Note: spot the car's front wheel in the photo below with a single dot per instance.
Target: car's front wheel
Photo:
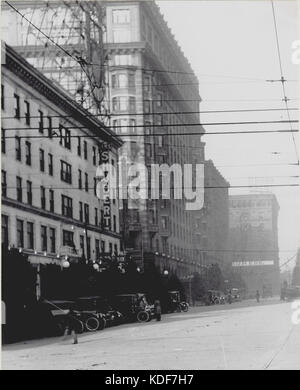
(143, 316)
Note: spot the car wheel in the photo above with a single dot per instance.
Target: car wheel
(92, 324)
(102, 323)
(143, 316)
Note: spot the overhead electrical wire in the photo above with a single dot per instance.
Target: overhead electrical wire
(167, 125)
(159, 113)
(282, 77)
(155, 135)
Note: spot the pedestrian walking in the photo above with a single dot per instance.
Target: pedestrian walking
(71, 328)
(257, 296)
(157, 309)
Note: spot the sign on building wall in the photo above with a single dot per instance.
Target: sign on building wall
(105, 188)
(252, 263)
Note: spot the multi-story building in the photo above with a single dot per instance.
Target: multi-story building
(253, 243)
(51, 148)
(153, 101)
(152, 86)
(212, 222)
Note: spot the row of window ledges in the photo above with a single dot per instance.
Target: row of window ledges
(48, 239)
(64, 134)
(66, 203)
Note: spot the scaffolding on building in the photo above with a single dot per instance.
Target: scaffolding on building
(64, 40)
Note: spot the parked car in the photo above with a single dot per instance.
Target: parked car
(99, 306)
(175, 302)
(292, 292)
(215, 297)
(134, 307)
(235, 295)
(90, 314)
(60, 311)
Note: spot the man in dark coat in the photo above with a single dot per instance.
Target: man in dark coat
(72, 326)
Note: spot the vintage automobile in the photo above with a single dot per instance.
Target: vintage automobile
(292, 292)
(60, 311)
(96, 313)
(134, 307)
(235, 295)
(175, 302)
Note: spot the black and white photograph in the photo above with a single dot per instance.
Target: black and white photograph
(150, 213)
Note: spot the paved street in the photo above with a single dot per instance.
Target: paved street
(244, 335)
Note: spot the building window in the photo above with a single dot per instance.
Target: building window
(27, 112)
(28, 153)
(116, 249)
(18, 148)
(3, 183)
(97, 248)
(20, 233)
(51, 200)
(159, 100)
(50, 134)
(102, 246)
(94, 155)
(19, 189)
(147, 106)
(17, 106)
(85, 153)
(87, 213)
(65, 137)
(4, 230)
(50, 164)
(44, 238)
(68, 238)
(81, 243)
(80, 179)
(29, 192)
(79, 146)
(121, 35)
(3, 141)
(42, 160)
(86, 182)
(43, 198)
(123, 59)
(30, 237)
(2, 98)
(52, 236)
(121, 16)
(115, 223)
(66, 206)
(147, 84)
(132, 104)
(95, 186)
(88, 247)
(164, 222)
(41, 121)
(65, 172)
(96, 216)
(110, 248)
(80, 212)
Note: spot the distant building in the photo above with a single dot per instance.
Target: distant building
(212, 222)
(253, 244)
(49, 205)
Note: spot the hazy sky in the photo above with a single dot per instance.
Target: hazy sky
(231, 46)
